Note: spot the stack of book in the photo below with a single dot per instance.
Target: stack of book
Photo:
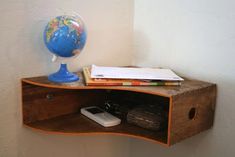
(126, 76)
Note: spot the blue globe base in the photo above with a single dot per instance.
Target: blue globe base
(63, 75)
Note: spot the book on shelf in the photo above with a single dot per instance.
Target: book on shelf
(134, 73)
(123, 82)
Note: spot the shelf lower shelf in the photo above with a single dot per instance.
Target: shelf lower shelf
(78, 124)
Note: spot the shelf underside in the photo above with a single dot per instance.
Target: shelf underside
(77, 123)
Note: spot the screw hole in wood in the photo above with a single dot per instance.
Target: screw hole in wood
(49, 96)
(192, 113)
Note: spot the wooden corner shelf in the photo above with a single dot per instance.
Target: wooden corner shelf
(55, 108)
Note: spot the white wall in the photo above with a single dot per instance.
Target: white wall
(195, 38)
(23, 54)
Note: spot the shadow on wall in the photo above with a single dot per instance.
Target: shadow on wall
(34, 144)
(185, 148)
(215, 142)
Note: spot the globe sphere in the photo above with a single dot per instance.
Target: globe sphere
(65, 36)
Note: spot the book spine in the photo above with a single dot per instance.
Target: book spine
(136, 84)
(93, 82)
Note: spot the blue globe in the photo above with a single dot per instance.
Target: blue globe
(65, 36)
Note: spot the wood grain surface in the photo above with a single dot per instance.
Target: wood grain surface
(55, 108)
(77, 123)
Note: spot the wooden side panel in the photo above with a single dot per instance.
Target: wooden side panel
(192, 112)
(40, 103)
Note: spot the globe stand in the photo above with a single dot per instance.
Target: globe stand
(63, 75)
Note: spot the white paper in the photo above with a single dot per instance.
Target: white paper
(134, 73)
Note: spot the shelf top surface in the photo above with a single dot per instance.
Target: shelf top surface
(166, 91)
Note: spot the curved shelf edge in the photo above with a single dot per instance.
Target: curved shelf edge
(164, 91)
(94, 134)
(80, 86)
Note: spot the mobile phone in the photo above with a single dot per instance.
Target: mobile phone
(100, 116)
